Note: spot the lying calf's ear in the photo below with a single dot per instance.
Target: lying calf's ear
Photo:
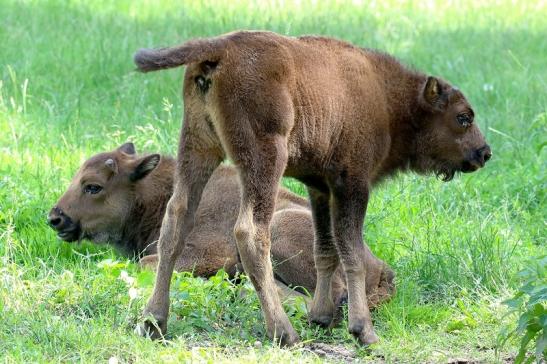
(145, 165)
(112, 165)
(127, 148)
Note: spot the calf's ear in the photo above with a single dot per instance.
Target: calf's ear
(127, 148)
(112, 165)
(144, 166)
(432, 91)
(433, 95)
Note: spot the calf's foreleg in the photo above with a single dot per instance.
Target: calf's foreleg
(349, 201)
(323, 308)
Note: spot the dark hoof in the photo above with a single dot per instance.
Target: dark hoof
(364, 333)
(356, 329)
(288, 339)
(368, 337)
(324, 321)
(152, 329)
(284, 334)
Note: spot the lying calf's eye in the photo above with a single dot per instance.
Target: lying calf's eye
(464, 120)
(92, 189)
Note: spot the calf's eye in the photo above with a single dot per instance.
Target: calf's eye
(92, 189)
(464, 120)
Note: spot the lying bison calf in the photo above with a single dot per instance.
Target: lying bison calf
(337, 117)
(120, 197)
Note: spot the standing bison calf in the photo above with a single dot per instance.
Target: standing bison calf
(119, 197)
(337, 117)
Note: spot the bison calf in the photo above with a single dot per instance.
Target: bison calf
(337, 117)
(119, 197)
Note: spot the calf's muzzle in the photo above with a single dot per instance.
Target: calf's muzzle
(63, 224)
(478, 159)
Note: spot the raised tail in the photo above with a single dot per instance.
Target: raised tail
(197, 50)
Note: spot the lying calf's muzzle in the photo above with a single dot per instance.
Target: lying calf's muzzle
(65, 227)
(56, 218)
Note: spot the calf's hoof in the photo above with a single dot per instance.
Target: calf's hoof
(324, 320)
(368, 337)
(288, 338)
(323, 316)
(152, 329)
(364, 333)
(282, 332)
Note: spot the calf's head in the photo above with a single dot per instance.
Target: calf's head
(101, 196)
(448, 139)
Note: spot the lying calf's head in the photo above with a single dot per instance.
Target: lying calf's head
(448, 140)
(101, 196)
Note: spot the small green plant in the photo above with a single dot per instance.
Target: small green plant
(530, 302)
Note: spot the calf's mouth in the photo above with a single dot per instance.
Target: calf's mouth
(70, 234)
(66, 228)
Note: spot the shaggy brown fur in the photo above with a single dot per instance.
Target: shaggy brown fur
(337, 117)
(211, 244)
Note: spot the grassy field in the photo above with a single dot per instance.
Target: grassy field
(68, 89)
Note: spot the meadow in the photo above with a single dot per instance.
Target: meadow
(68, 89)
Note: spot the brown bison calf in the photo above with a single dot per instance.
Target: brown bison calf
(119, 197)
(337, 117)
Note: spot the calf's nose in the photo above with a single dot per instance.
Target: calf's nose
(484, 154)
(55, 218)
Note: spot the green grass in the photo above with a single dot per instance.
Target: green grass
(68, 90)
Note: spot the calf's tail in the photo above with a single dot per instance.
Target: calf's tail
(198, 50)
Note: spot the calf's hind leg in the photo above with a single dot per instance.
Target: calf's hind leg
(194, 167)
(260, 171)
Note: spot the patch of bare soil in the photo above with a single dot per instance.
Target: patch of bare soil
(338, 353)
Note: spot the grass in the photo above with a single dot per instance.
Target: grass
(68, 90)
